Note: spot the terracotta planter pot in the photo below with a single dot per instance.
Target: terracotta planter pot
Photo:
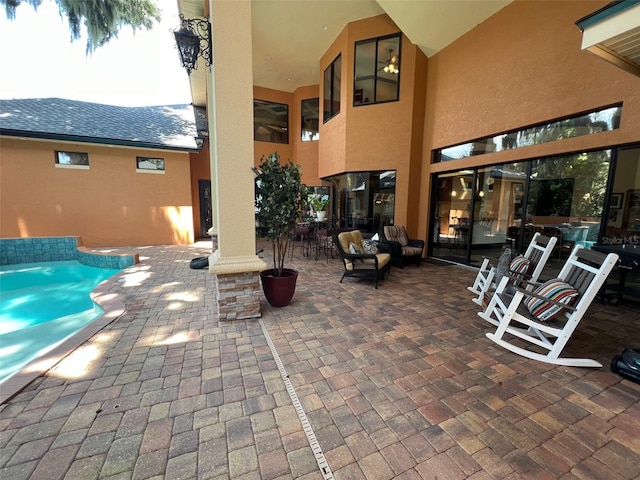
(279, 290)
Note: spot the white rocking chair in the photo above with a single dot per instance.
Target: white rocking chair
(538, 252)
(583, 274)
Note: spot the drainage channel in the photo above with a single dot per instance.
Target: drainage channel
(327, 474)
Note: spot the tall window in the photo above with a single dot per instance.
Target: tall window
(377, 70)
(310, 119)
(331, 93)
(270, 122)
(623, 217)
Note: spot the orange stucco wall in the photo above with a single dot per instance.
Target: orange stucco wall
(265, 148)
(522, 66)
(110, 204)
(385, 136)
(303, 153)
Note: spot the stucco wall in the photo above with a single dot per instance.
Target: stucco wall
(107, 205)
(305, 153)
(384, 136)
(265, 148)
(522, 66)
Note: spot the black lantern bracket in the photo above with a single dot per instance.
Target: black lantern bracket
(193, 40)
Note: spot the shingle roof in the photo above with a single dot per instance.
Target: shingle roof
(170, 127)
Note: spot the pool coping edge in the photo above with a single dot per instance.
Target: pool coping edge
(113, 308)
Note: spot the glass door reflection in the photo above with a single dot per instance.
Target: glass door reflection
(452, 222)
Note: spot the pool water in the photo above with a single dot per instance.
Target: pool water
(42, 304)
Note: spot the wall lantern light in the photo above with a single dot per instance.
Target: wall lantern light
(193, 39)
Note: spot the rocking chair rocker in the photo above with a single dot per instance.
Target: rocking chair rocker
(551, 312)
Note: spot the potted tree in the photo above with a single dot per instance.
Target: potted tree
(319, 205)
(279, 202)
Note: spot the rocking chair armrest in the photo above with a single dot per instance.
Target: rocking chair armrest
(528, 293)
(529, 283)
(519, 278)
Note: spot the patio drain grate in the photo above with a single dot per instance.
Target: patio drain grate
(327, 474)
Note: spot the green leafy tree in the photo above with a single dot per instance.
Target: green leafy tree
(102, 18)
(280, 199)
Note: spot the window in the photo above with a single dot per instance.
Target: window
(377, 70)
(365, 200)
(150, 164)
(72, 159)
(477, 212)
(310, 119)
(331, 93)
(270, 122)
(601, 120)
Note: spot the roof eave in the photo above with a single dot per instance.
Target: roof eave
(95, 140)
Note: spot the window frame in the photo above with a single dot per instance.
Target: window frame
(140, 169)
(285, 128)
(377, 74)
(333, 73)
(509, 140)
(70, 154)
(313, 134)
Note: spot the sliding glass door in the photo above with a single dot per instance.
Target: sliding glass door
(478, 212)
(498, 207)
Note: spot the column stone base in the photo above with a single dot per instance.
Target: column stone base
(238, 290)
(238, 295)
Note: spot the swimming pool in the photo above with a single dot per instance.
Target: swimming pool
(42, 305)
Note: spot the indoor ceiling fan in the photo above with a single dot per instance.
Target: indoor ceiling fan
(391, 64)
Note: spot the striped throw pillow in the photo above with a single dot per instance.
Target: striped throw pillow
(519, 266)
(556, 290)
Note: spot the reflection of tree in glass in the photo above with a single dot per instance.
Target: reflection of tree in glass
(587, 173)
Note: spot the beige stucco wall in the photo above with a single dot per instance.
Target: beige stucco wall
(110, 204)
(520, 67)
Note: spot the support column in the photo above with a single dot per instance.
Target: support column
(230, 113)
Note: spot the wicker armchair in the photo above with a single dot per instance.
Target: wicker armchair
(358, 263)
(403, 250)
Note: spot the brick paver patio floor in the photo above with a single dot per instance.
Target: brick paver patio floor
(398, 382)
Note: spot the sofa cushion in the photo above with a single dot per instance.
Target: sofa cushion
(356, 236)
(409, 251)
(345, 239)
(396, 233)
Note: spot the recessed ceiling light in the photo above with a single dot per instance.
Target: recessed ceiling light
(325, 27)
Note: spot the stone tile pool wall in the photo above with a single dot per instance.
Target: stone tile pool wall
(57, 249)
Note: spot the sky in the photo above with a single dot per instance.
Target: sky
(39, 60)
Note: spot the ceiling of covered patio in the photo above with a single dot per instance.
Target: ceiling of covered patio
(289, 37)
